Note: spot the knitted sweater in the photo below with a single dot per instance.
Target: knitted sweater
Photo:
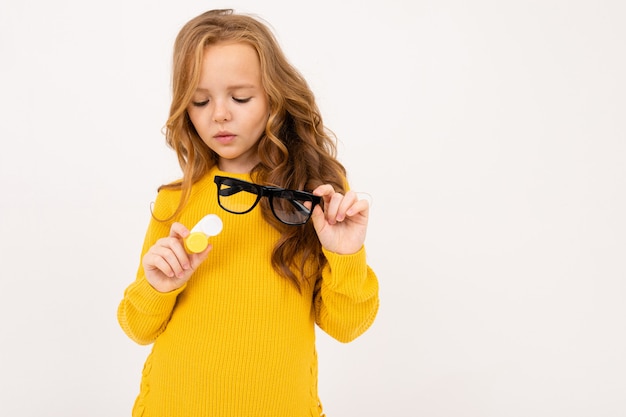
(238, 340)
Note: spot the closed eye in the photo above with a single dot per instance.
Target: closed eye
(199, 103)
(242, 100)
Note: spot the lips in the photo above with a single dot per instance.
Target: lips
(224, 137)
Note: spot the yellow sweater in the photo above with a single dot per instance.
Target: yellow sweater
(238, 340)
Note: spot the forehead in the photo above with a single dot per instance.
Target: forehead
(230, 62)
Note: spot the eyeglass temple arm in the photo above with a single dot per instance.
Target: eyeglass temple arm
(304, 209)
(300, 207)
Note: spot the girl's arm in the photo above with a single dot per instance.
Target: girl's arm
(144, 312)
(346, 298)
(165, 269)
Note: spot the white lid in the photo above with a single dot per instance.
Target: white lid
(210, 225)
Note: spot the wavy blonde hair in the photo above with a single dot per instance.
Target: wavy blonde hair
(296, 151)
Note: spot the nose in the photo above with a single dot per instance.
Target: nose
(221, 112)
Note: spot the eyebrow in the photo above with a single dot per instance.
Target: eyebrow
(232, 87)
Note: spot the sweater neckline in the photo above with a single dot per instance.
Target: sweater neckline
(216, 171)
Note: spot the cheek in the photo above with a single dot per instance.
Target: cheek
(193, 117)
(263, 120)
(264, 115)
(260, 120)
(199, 119)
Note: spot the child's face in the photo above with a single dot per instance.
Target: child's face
(230, 108)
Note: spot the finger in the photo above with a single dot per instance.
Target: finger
(179, 230)
(317, 217)
(172, 251)
(155, 262)
(359, 212)
(169, 264)
(337, 206)
(325, 191)
(331, 208)
(345, 204)
(360, 206)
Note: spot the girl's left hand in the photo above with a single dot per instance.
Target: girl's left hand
(342, 225)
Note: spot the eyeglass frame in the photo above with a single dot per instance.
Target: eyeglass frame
(270, 192)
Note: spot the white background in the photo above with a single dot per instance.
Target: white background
(491, 135)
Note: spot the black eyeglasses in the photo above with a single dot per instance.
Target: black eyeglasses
(291, 207)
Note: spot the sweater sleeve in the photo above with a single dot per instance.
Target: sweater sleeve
(144, 312)
(346, 298)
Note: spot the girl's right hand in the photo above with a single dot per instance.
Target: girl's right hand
(167, 264)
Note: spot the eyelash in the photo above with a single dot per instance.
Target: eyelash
(236, 100)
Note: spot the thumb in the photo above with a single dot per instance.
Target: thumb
(196, 259)
(318, 219)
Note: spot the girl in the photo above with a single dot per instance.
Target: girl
(233, 326)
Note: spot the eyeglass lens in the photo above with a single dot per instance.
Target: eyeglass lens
(289, 208)
(235, 199)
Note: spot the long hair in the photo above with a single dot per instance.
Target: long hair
(296, 151)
